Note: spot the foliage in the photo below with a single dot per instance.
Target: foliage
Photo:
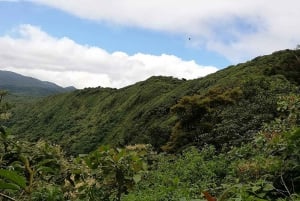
(84, 119)
(266, 168)
(234, 136)
(221, 116)
(196, 115)
(116, 169)
(40, 171)
(287, 64)
(100, 116)
(182, 177)
(22, 86)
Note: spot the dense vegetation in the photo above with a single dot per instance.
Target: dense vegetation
(22, 86)
(266, 168)
(153, 111)
(233, 135)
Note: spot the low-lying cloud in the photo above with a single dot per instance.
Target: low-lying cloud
(32, 52)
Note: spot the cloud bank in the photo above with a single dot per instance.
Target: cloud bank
(32, 52)
(237, 30)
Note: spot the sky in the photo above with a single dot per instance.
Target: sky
(116, 43)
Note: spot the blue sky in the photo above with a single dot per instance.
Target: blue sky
(113, 44)
(108, 36)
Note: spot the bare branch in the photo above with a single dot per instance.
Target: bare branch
(7, 197)
(285, 186)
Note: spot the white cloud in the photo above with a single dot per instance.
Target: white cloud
(236, 29)
(34, 53)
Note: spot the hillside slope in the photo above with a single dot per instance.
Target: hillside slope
(141, 113)
(27, 86)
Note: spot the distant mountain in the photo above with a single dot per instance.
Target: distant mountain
(27, 86)
(223, 109)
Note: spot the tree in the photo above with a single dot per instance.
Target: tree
(117, 169)
(196, 117)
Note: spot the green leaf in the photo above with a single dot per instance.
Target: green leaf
(268, 187)
(255, 188)
(262, 194)
(14, 177)
(145, 166)
(46, 161)
(137, 178)
(45, 169)
(4, 185)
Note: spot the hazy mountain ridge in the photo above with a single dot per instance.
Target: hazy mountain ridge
(141, 113)
(22, 85)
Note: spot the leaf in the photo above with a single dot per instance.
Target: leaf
(14, 177)
(262, 194)
(268, 187)
(4, 185)
(46, 161)
(145, 166)
(45, 169)
(255, 188)
(137, 178)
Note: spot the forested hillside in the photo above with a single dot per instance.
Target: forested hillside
(231, 136)
(223, 108)
(19, 85)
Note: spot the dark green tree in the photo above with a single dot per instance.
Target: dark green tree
(197, 116)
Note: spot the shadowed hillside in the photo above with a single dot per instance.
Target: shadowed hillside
(19, 85)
